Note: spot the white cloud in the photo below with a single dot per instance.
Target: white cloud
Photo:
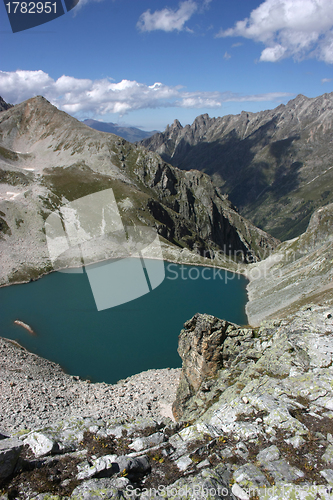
(226, 56)
(326, 80)
(289, 28)
(80, 97)
(167, 19)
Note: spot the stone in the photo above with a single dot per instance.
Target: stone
(147, 442)
(101, 467)
(101, 489)
(239, 492)
(10, 449)
(134, 468)
(201, 348)
(249, 476)
(328, 455)
(328, 475)
(268, 454)
(204, 463)
(241, 450)
(211, 484)
(40, 444)
(281, 471)
(295, 441)
(3, 435)
(184, 462)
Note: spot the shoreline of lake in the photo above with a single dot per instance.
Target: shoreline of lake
(165, 259)
(61, 309)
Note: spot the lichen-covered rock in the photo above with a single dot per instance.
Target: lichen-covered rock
(100, 467)
(40, 444)
(147, 442)
(101, 489)
(210, 484)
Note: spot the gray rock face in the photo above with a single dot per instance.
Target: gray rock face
(268, 162)
(201, 348)
(10, 449)
(298, 272)
(258, 424)
(4, 105)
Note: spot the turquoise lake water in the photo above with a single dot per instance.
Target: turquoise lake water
(112, 344)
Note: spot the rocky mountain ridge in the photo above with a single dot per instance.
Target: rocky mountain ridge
(48, 158)
(275, 165)
(131, 134)
(298, 272)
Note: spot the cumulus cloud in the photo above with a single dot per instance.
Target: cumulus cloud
(326, 80)
(80, 97)
(289, 28)
(167, 19)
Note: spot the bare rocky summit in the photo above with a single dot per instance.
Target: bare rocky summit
(275, 165)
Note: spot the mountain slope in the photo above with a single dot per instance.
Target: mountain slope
(48, 158)
(297, 273)
(131, 134)
(276, 165)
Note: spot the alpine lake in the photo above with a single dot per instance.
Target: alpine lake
(114, 343)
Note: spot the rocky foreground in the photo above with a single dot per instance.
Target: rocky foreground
(254, 411)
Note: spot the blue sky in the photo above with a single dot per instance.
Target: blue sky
(147, 62)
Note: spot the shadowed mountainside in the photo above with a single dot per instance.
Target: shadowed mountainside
(275, 165)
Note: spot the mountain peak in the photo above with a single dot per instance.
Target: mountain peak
(4, 105)
(278, 159)
(177, 124)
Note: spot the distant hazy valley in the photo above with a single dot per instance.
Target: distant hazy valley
(131, 134)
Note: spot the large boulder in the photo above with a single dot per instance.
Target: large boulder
(9, 452)
(200, 346)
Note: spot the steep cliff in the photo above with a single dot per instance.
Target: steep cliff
(275, 165)
(298, 272)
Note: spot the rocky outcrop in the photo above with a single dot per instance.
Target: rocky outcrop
(48, 159)
(4, 105)
(200, 347)
(258, 424)
(10, 449)
(275, 165)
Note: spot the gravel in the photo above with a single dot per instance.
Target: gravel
(36, 392)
